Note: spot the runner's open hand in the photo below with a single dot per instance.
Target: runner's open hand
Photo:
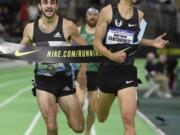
(159, 42)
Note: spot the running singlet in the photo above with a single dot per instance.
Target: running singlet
(122, 32)
(89, 37)
(54, 39)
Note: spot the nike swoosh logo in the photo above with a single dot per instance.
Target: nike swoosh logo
(131, 25)
(19, 54)
(127, 82)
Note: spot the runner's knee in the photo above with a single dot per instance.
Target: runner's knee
(102, 117)
(77, 127)
(128, 119)
(76, 122)
(51, 124)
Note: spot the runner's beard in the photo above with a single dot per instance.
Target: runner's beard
(91, 23)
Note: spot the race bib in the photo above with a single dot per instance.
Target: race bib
(118, 36)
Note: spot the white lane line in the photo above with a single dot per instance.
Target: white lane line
(8, 83)
(10, 99)
(153, 126)
(84, 108)
(93, 131)
(33, 123)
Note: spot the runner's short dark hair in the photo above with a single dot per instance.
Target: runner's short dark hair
(39, 1)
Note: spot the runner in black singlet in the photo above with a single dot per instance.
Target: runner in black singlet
(54, 82)
(119, 25)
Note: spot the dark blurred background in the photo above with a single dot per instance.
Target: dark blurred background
(161, 15)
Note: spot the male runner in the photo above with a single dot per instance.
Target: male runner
(87, 32)
(119, 25)
(54, 81)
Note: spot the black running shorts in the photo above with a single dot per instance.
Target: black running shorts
(58, 85)
(110, 80)
(91, 80)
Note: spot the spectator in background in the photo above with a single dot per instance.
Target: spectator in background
(161, 76)
(32, 11)
(23, 15)
(171, 65)
(150, 66)
(150, 73)
(161, 64)
(157, 72)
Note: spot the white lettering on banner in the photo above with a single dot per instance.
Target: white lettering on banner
(5, 49)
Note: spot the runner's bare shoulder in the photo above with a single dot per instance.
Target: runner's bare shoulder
(27, 34)
(141, 14)
(68, 28)
(28, 30)
(106, 12)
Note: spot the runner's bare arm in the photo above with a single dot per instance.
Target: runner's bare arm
(73, 33)
(158, 42)
(101, 29)
(81, 77)
(27, 34)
